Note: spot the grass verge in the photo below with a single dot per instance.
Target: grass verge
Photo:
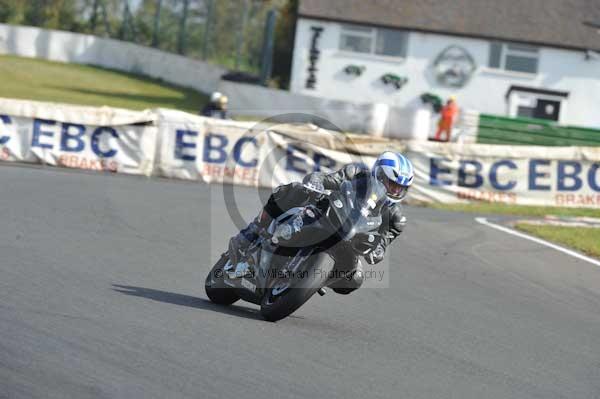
(517, 210)
(586, 240)
(40, 80)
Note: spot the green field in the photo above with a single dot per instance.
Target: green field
(586, 240)
(39, 80)
(516, 210)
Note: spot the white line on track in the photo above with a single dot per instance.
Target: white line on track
(485, 222)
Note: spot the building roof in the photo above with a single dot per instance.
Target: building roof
(556, 23)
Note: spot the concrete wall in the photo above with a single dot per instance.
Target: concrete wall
(262, 102)
(115, 54)
(560, 70)
(357, 117)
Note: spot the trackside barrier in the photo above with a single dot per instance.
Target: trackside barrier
(103, 139)
(178, 145)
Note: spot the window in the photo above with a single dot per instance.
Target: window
(357, 39)
(391, 42)
(514, 57)
(379, 41)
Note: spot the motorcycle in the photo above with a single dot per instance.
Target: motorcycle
(293, 258)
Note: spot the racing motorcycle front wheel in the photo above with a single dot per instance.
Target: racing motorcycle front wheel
(286, 294)
(216, 289)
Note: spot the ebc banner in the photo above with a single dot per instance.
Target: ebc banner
(122, 149)
(210, 150)
(507, 174)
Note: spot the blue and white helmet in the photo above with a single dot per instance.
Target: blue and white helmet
(396, 173)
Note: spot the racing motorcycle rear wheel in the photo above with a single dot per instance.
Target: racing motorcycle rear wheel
(216, 289)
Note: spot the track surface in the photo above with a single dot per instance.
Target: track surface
(101, 296)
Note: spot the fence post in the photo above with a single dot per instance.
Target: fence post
(267, 49)
(127, 24)
(105, 19)
(240, 36)
(207, 27)
(123, 22)
(94, 17)
(156, 23)
(181, 40)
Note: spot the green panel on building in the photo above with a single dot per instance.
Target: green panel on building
(523, 131)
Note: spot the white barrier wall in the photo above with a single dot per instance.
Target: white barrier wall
(380, 120)
(77, 48)
(183, 146)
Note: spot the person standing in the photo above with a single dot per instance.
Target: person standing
(448, 116)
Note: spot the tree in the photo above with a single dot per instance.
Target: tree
(51, 14)
(11, 11)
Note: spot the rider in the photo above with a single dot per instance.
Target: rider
(392, 169)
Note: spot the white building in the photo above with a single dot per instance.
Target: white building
(531, 58)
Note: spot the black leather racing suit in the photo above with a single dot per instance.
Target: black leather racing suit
(294, 195)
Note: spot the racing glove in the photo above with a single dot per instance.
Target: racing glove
(376, 255)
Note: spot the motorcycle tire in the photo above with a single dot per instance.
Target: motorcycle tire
(216, 290)
(275, 306)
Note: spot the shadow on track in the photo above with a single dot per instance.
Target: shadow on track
(187, 300)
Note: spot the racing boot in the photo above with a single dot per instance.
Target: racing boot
(239, 243)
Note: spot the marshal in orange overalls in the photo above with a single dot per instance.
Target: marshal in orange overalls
(449, 113)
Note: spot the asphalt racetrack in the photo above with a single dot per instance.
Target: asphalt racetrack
(101, 296)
